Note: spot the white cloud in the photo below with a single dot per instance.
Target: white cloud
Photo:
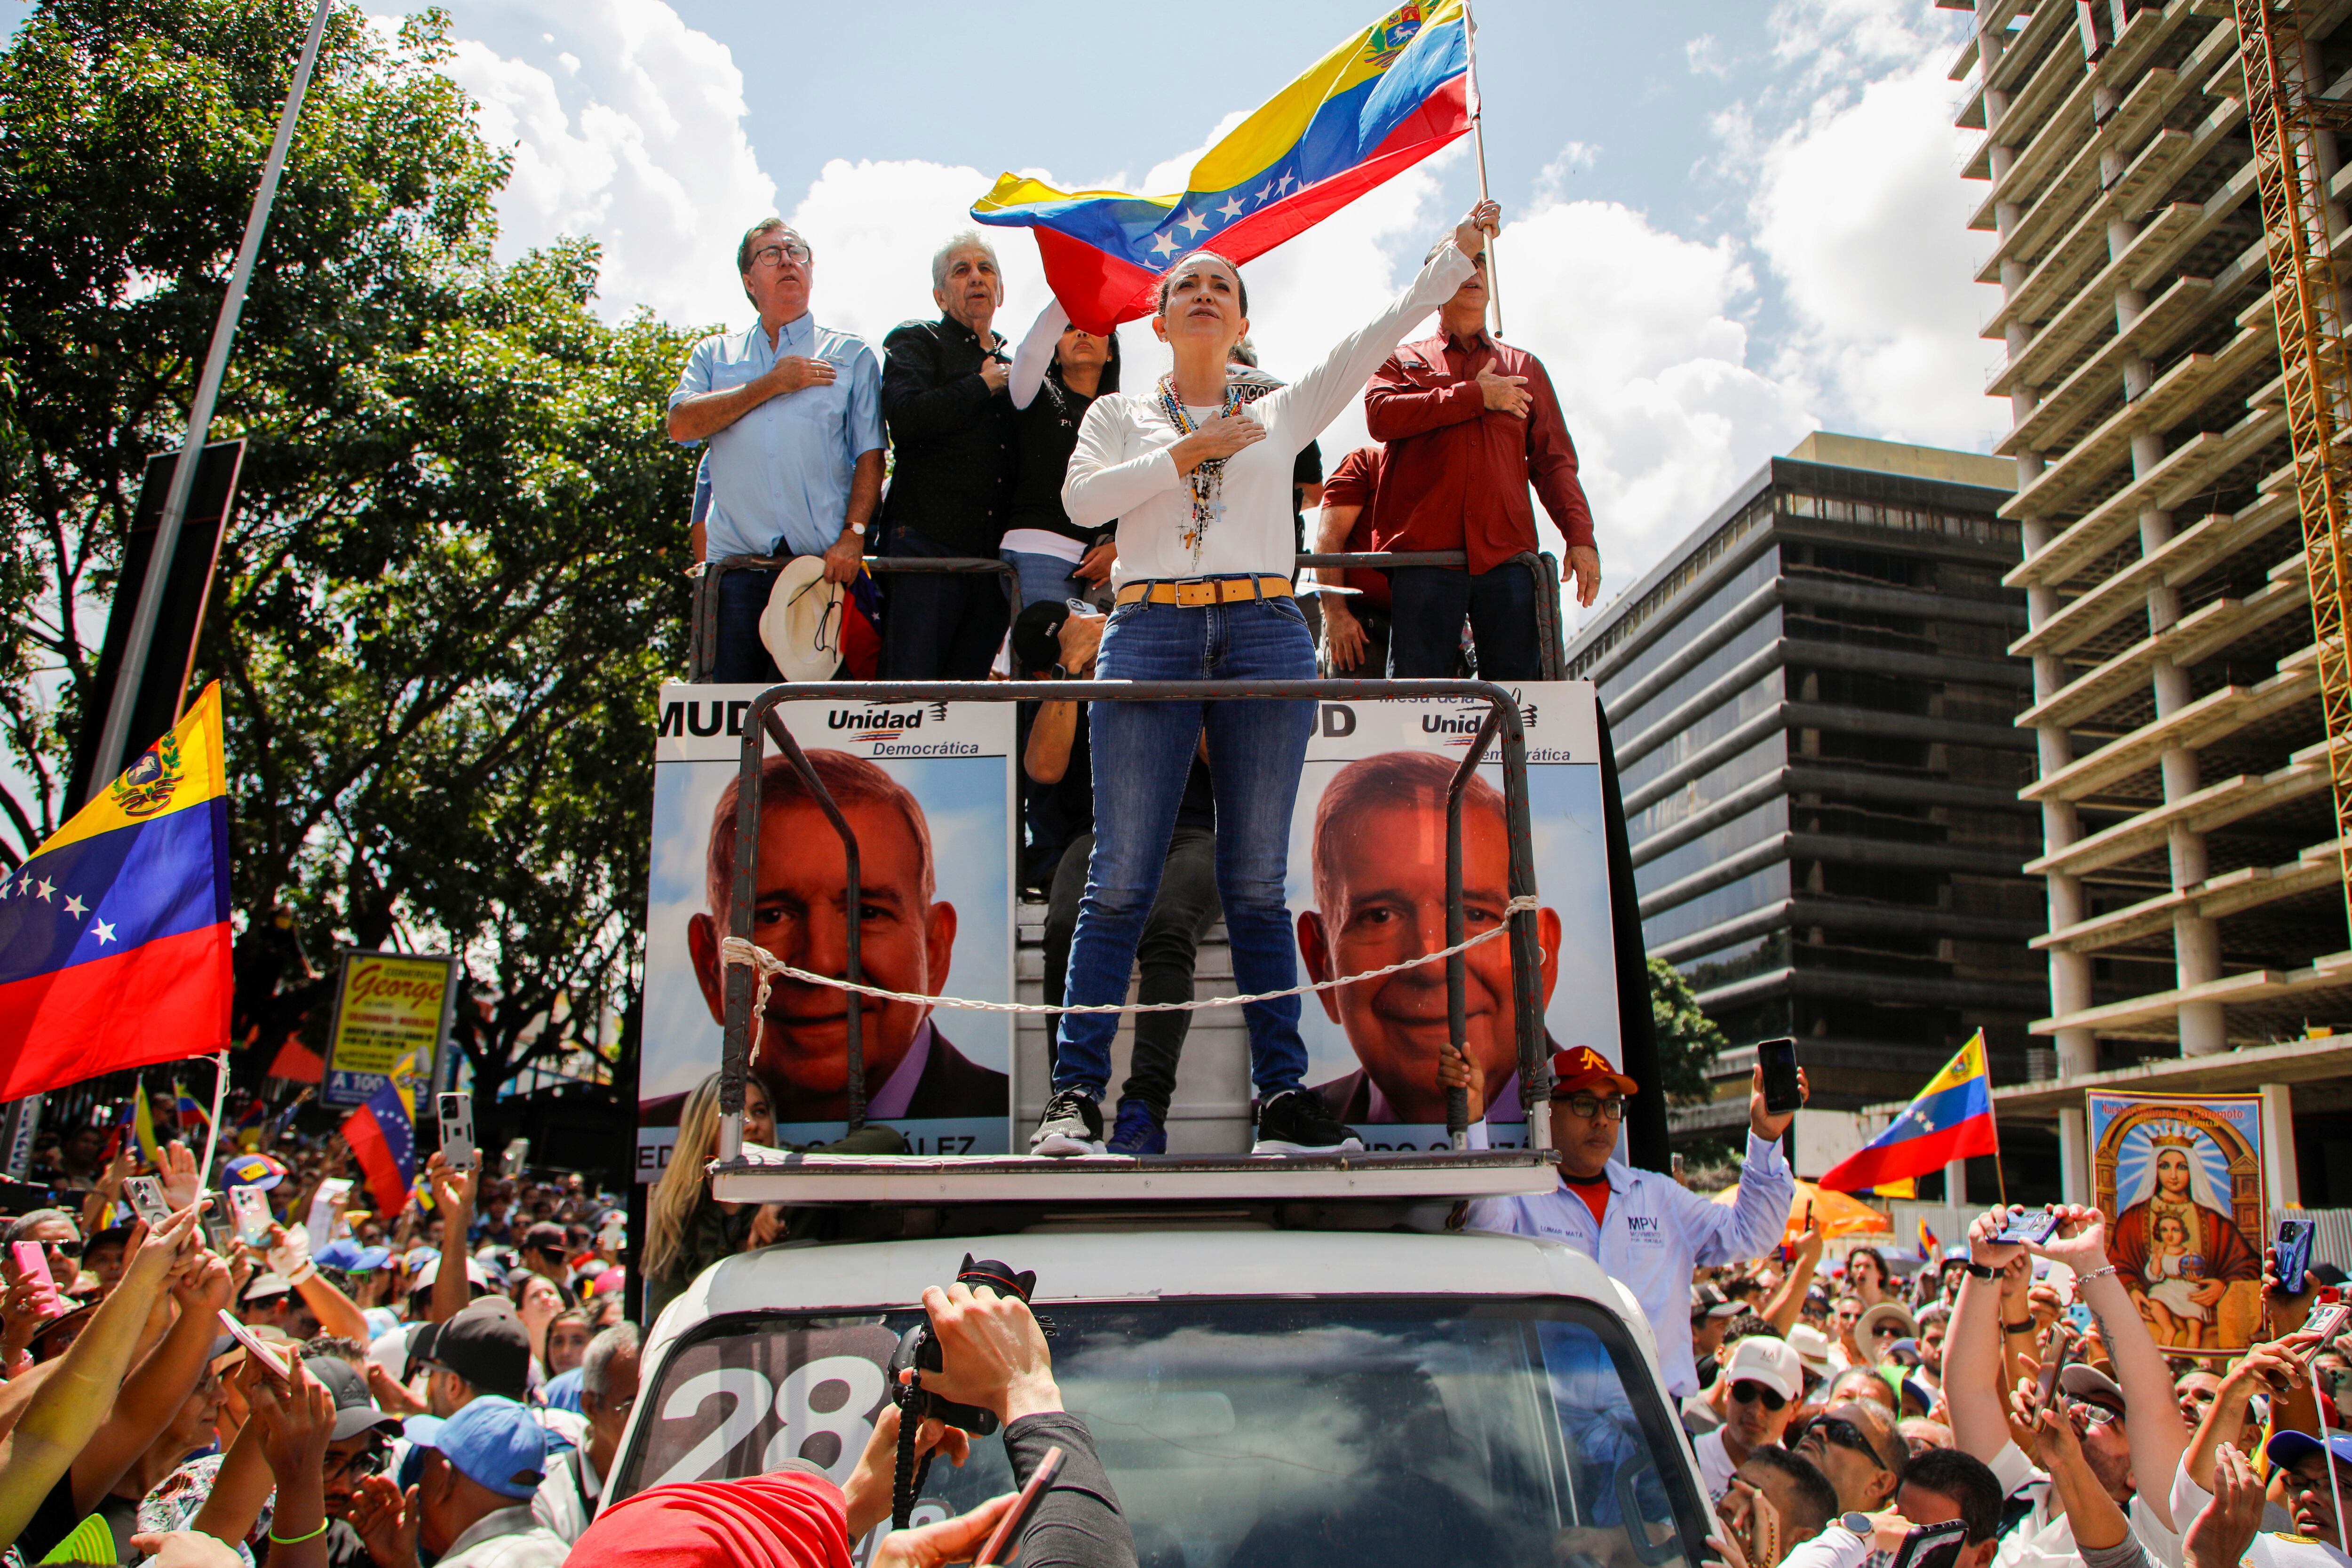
(638, 141)
(1704, 55)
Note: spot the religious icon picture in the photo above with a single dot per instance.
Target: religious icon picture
(2182, 1185)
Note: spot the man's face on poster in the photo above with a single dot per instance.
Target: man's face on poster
(1385, 877)
(802, 916)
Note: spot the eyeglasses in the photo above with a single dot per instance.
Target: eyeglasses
(777, 255)
(1845, 1434)
(1591, 1105)
(372, 1460)
(1748, 1390)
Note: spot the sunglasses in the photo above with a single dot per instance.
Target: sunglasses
(1887, 1331)
(64, 1248)
(1843, 1433)
(1591, 1105)
(1748, 1390)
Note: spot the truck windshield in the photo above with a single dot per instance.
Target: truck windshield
(1254, 1433)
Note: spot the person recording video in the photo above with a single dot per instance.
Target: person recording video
(994, 1356)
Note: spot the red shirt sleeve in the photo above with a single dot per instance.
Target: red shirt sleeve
(1396, 408)
(1551, 459)
(1351, 483)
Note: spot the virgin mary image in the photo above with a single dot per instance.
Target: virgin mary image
(2195, 1263)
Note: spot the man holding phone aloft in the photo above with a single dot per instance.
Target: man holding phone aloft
(1643, 1227)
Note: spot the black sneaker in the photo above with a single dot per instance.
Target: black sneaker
(1298, 1122)
(1072, 1125)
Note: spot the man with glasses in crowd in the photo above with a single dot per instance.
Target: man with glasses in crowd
(793, 415)
(1766, 1381)
(1644, 1228)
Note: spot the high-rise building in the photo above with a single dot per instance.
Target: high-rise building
(2195, 893)
(1813, 710)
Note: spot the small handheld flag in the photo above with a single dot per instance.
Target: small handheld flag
(114, 936)
(1951, 1119)
(383, 1136)
(1367, 111)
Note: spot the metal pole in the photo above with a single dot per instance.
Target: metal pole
(135, 646)
(1457, 1099)
(1478, 142)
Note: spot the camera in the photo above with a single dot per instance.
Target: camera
(920, 1349)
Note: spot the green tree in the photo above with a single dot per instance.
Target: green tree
(1687, 1039)
(449, 589)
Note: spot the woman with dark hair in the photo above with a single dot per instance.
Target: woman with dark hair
(1198, 475)
(1057, 373)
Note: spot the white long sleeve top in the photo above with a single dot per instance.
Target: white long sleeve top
(1121, 468)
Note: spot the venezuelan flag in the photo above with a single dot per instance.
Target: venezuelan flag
(114, 938)
(1370, 109)
(1949, 1120)
(383, 1136)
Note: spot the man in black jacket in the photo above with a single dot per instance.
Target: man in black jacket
(952, 439)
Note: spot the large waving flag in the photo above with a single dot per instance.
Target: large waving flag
(114, 938)
(1949, 1120)
(383, 1136)
(1370, 109)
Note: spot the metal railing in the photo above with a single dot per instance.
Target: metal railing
(702, 641)
(763, 723)
(702, 638)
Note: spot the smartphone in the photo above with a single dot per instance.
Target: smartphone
(517, 1152)
(2053, 1361)
(1932, 1545)
(2326, 1321)
(146, 1195)
(2029, 1227)
(1778, 1059)
(319, 1224)
(252, 1212)
(33, 1262)
(1016, 1518)
(257, 1347)
(457, 1131)
(2294, 1239)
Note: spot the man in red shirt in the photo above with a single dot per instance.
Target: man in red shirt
(1355, 625)
(1470, 424)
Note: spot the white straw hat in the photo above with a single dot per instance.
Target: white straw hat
(802, 625)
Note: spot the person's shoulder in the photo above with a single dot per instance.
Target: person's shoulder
(845, 343)
(911, 332)
(720, 342)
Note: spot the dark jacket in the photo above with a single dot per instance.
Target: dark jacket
(952, 440)
(954, 1085)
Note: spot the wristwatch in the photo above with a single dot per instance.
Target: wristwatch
(859, 529)
(1862, 1524)
(1059, 672)
(1981, 1270)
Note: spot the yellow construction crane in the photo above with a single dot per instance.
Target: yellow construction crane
(2289, 119)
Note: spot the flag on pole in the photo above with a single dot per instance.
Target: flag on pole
(383, 1136)
(142, 1123)
(1369, 109)
(192, 1112)
(1949, 1120)
(1929, 1247)
(114, 937)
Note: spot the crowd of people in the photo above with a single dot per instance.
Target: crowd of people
(795, 419)
(301, 1380)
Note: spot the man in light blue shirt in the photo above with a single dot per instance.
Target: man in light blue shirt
(793, 415)
(1644, 1229)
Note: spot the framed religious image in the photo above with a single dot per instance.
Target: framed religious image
(2182, 1185)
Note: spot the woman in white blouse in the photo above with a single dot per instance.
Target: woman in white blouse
(1198, 476)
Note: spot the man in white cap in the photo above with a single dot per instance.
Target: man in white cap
(1765, 1380)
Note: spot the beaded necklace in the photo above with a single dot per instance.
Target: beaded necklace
(1206, 480)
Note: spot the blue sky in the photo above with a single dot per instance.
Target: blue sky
(1730, 221)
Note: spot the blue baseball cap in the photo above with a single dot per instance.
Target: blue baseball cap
(493, 1442)
(2289, 1449)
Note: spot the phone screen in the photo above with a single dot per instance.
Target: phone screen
(1779, 1060)
(1016, 1518)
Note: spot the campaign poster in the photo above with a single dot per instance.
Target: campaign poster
(927, 789)
(1366, 886)
(389, 1008)
(2181, 1185)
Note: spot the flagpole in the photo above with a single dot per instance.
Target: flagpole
(212, 1133)
(1478, 142)
(2000, 1177)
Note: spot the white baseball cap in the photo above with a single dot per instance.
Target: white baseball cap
(1812, 1348)
(1770, 1362)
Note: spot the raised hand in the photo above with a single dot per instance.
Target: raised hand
(2219, 1536)
(387, 1522)
(451, 1190)
(182, 1181)
(1762, 1123)
(1470, 234)
(2080, 1242)
(298, 1420)
(993, 1352)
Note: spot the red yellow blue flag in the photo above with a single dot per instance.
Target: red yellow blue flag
(1949, 1120)
(382, 1138)
(1372, 107)
(114, 936)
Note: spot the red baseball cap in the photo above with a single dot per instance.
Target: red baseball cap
(1583, 1070)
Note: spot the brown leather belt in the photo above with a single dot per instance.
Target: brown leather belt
(1192, 592)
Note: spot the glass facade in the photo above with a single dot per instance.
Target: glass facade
(1878, 911)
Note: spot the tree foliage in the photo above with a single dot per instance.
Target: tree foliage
(449, 590)
(1687, 1039)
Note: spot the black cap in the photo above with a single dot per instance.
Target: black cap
(483, 1344)
(1037, 636)
(356, 1409)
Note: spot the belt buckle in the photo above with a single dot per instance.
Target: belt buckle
(1194, 592)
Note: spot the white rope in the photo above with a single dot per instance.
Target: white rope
(737, 950)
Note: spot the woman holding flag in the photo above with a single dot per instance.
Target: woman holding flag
(1200, 482)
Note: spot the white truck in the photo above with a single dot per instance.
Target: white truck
(1302, 1373)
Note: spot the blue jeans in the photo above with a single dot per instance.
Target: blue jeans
(1045, 577)
(1427, 604)
(1143, 752)
(740, 657)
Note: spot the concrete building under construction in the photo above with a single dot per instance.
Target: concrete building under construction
(2196, 931)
